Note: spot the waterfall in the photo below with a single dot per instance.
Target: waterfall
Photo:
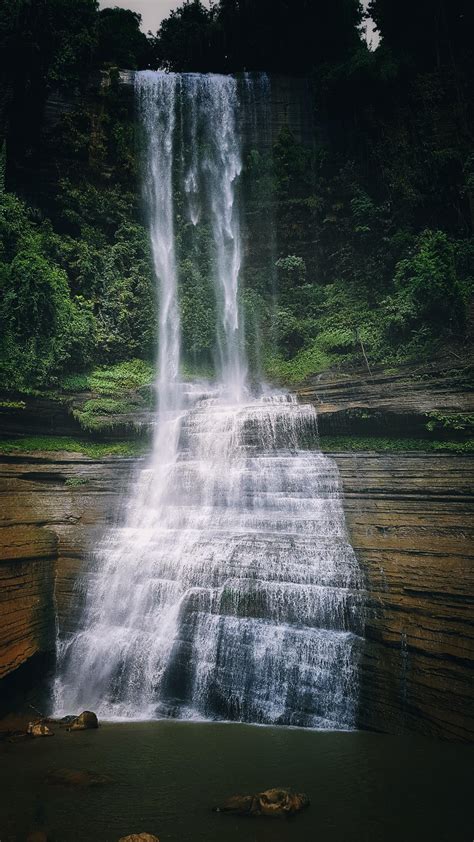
(229, 590)
(213, 105)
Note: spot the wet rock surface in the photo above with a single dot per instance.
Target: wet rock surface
(39, 729)
(139, 837)
(86, 721)
(275, 803)
(390, 403)
(37, 836)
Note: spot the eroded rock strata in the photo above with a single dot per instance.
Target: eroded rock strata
(391, 403)
(409, 517)
(47, 527)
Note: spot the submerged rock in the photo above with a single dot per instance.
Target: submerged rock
(139, 837)
(272, 802)
(84, 722)
(76, 777)
(37, 836)
(39, 729)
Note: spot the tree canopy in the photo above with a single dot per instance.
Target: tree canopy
(270, 35)
(372, 216)
(428, 33)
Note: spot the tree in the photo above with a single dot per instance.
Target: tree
(271, 35)
(120, 40)
(429, 295)
(43, 44)
(41, 326)
(427, 33)
(185, 41)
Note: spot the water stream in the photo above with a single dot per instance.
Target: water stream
(229, 590)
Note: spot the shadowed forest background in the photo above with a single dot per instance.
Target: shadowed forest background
(373, 218)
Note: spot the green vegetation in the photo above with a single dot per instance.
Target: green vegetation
(328, 444)
(112, 395)
(103, 414)
(334, 444)
(76, 482)
(12, 404)
(454, 422)
(269, 34)
(56, 444)
(111, 380)
(364, 231)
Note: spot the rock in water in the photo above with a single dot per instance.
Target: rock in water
(39, 729)
(37, 836)
(278, 802)
(139, 837)
(85, 721)
(76, 777)
(241, 804)
(272, 802)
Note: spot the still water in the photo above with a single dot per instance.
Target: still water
(167, 776)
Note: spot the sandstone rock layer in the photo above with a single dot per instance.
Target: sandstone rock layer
(409, 516)
(46, 531)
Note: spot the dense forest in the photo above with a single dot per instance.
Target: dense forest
(373, 259)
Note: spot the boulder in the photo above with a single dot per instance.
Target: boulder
(84, 722)
(39, 729)
(272, 802)
(277, 802)
(76, 777)
(139, 837)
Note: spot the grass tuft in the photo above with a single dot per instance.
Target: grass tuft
(56, 444)
(333, 444)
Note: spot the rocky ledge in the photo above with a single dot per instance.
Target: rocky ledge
(432, 397)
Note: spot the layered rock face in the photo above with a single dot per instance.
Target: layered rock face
(47, 527)
(409, 517)
(390, 403)
(409, 520)
(27, 571)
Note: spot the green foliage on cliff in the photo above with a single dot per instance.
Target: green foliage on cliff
(131, 447)
(44, 328)
(354, 444)
(452, 422)
(111, 381)
(57, 444)
(358, 241)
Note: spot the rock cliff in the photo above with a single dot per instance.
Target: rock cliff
(52, 506)
(409, 517)
(392, 403)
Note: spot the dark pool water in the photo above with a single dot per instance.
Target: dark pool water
(167, 776)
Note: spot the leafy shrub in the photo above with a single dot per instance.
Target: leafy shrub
(43, 329)
(427, 289)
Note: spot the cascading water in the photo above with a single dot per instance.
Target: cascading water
(230, 591)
